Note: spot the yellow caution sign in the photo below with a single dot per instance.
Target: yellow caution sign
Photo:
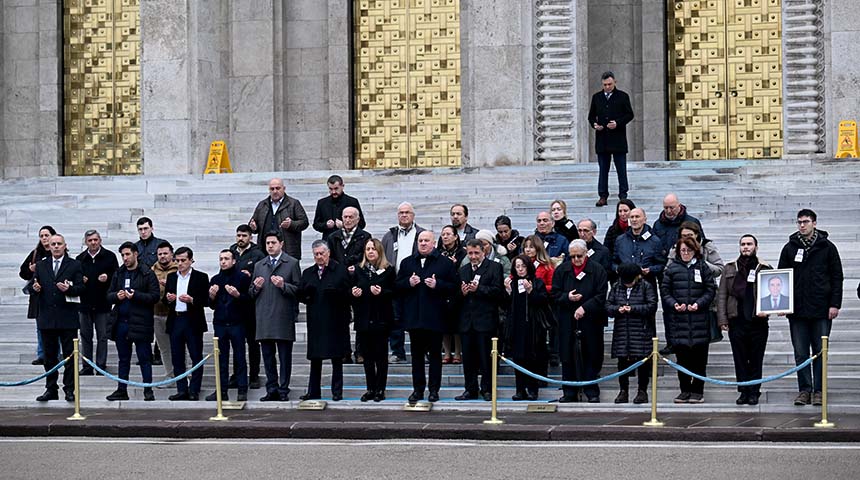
(848, 140)
(219, 159)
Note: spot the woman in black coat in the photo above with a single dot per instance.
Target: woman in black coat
(529, 316)
(453, 250)
(372, 296)
(579, 290)
(633, 304)
(563, 225)
(28, 267)
(688, 289)
(619, 225)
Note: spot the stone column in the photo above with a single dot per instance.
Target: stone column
(653, 113)
(497, 82)
(843, 94)
(30, 51)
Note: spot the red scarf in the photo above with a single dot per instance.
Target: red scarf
(578, 270)
(623, 225)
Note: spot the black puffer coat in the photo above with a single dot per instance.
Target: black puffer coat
(680, 286)
(632, 332)
(817, 279)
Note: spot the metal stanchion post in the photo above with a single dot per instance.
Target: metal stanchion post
(655, 357)
(824, 423)
(494, 354)
(76, 355)
(217, 355)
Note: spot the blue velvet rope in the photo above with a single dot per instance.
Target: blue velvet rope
(36, 379)
(146, 385)
(741, 384)
(576, 384)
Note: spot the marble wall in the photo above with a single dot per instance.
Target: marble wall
(272, 79)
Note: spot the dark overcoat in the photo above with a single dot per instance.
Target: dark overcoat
(328, 315)
(424, 308)
(55, 312)
(592, 286)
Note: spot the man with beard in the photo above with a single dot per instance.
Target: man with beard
(247, 254)
(162, 268)
(460, 221)
(281, 213)
(133, 292)
(736, 302)
(228, 294)
(817, 297)
(275, 291)
(327, 216)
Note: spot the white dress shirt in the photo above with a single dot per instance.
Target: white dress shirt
(182, 289)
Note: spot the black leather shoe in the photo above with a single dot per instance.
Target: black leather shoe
(285, 396)
(117, 395)
(336, 397)
(380, 396)
(148, 395)
(753, 399)
(415, 397)
(368, 396)
(194, 396)
(308, 396)
(623, 397)
(743, 399)
(242, 397)
(70, 396)
(271, 397)
(568, 399)
(212, 397)
(601, 202)
(640, 398)
(466, 396)
(38, 361)
(533, 396)
(594, 399)
(176, 397)
(487, 396)
(254, 383)
(520, 396)
(48, 395)
(433, 397)
(86, 372)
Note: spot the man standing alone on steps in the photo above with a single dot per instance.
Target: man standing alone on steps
(609, 115)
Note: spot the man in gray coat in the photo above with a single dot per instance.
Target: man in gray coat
(280, 213)
(274, 287)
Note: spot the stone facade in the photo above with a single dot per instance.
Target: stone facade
(272, 79)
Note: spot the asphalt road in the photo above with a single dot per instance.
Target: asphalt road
(215, 459)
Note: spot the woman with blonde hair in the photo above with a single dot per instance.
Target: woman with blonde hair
(563, 225)
(373, 311)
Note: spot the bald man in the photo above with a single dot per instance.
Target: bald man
(640, 245)
(673, 215)
(280, 213)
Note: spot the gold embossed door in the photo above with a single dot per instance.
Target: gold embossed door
(101, 77)
(725, 98)
(406, 83)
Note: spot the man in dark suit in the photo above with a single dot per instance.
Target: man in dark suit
(424, 282)
(280, 212)
(347, 248)
(609, 115)
(482, 286)
(58, 282)
(187, 294)
(327, 216)
(98, 265)
(775, 300)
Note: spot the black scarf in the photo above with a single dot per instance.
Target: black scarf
(745, 266)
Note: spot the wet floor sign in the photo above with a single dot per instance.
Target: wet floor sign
(847, 140)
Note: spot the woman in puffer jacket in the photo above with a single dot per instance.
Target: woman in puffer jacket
(687, 291)
(633, 304)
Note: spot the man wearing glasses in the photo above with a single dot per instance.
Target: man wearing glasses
(817, 298)
(597, 252)
(280, 213)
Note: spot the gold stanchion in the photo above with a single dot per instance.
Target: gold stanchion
(494, 355)
(824, 349)
(76, 355)
(655, 357)
(217, 354)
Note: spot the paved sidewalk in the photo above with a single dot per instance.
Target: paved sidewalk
(388, 424)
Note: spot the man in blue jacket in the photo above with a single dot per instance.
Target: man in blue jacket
(640, 245)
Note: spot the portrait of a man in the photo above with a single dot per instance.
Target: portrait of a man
(774, 291)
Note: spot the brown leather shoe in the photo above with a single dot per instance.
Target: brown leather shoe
(601, 202)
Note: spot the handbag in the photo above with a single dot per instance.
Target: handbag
(714, 327)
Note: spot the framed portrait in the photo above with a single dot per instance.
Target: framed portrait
(775, 291)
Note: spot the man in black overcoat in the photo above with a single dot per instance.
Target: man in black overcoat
(609, 115)
(58, 282)
(424, 282)
(327, 215)
(325, 288)
(482, 287)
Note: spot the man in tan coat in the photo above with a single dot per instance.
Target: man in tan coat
(162, 267)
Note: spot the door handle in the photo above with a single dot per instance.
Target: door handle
(719, 94)
(734, 93)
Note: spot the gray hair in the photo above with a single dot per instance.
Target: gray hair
(90, 233)
(406, 204)
(320, 243)
(578, 244)
(592, 222)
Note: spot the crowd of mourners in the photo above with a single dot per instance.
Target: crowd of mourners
(547, 293)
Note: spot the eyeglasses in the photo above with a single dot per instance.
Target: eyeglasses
(686, 250)
(803, 222)
(583, 230)
(573, 255)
